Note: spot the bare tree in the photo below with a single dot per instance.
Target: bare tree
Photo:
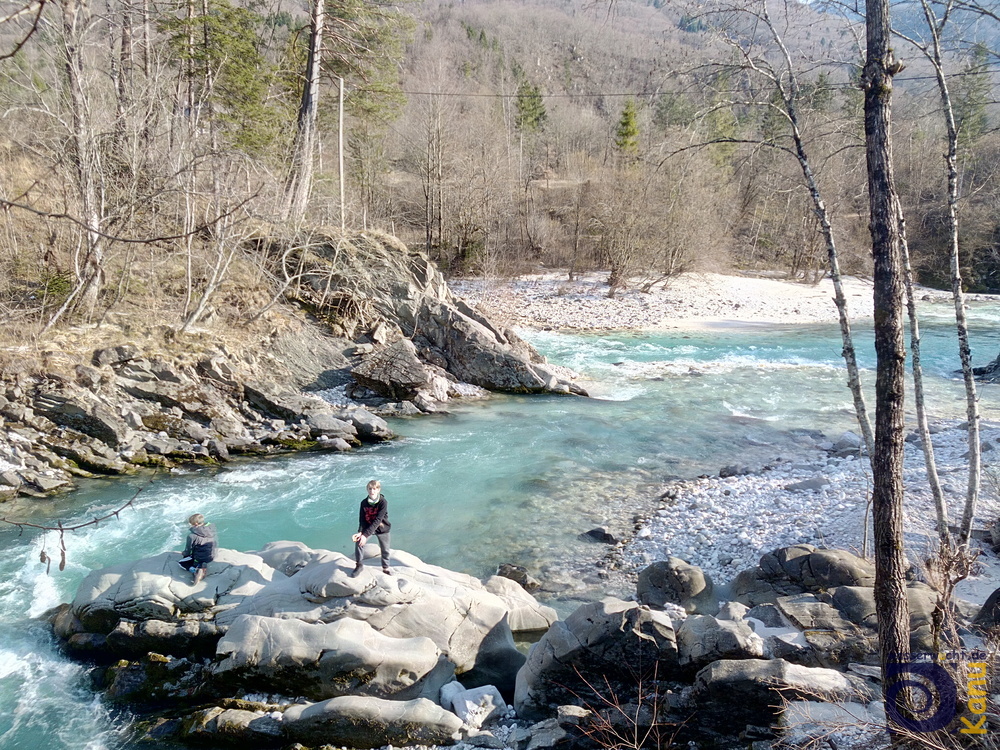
(940, 507)
(76, 21)
(932, 51)
(300, 175)
(782, 98)
(887, 461)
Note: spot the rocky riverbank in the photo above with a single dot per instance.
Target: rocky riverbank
(283, 646)
(367, 324)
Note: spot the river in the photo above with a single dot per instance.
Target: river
(508, 479)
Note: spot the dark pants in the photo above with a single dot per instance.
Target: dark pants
(383, 543)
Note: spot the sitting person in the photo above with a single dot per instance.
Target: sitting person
(199, 550)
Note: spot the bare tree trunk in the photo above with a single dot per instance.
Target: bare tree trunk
(839, 298)
(299, 183)
(887, 460)
(933, 480)
(964, 351)
(789, 95)
(577, 212)
(225, 250)
(75, 19)
(933, 54)
(124, 99)
(439, 176)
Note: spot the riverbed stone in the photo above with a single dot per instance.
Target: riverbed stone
(394, 371)
(330, 426)
(234, 727)
(83, 411)
(518, 574)
(369, 427)
(325, 660)
(612, 638)
(799, 569)
(525, 614)
(732, 692)
(675, 581)
(371, 722)
(702, 639)
(477, 706)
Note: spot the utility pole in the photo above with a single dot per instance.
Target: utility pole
(340, 155)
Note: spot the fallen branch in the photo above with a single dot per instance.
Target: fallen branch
(44, 557)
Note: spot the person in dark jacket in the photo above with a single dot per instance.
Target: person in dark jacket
(373, 518)
(199, 550)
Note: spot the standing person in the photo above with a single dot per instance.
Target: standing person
(199, 550)
(373, 518)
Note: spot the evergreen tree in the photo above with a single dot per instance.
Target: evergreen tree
(530, 115)
(627, 134)
(218, 51)
(971, 97)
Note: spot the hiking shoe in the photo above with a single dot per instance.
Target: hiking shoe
(357, 571)
(387, 571)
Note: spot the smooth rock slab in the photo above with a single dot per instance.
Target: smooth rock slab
(323, 661)
(371, 722)
(156, 588)
(466, 622)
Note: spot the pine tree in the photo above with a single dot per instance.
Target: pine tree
(531, 115)
(218, 51)
(972, 96)
(627, 134)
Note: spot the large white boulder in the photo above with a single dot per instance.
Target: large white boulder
(157, 588)
(371, 722)
(326, 660)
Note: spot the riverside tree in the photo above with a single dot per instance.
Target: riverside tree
(887, 461)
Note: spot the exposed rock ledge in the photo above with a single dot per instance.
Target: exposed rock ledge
(373, 328)
(370, 654)
(282, 646)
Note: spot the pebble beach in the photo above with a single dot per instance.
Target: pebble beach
(549, 300)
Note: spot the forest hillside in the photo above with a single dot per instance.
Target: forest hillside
(155, 155)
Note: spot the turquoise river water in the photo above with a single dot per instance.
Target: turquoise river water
(507, 479)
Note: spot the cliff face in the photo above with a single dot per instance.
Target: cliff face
(372, 284)
(363, 321)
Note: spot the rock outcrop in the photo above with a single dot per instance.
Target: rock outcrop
(387, 338)
(829, 596)
(372, 652)
(425, 345)
(327, 660)
(371, 660)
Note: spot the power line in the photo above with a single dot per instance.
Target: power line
(644, 94)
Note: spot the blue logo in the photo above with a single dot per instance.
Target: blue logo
(920, 696)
